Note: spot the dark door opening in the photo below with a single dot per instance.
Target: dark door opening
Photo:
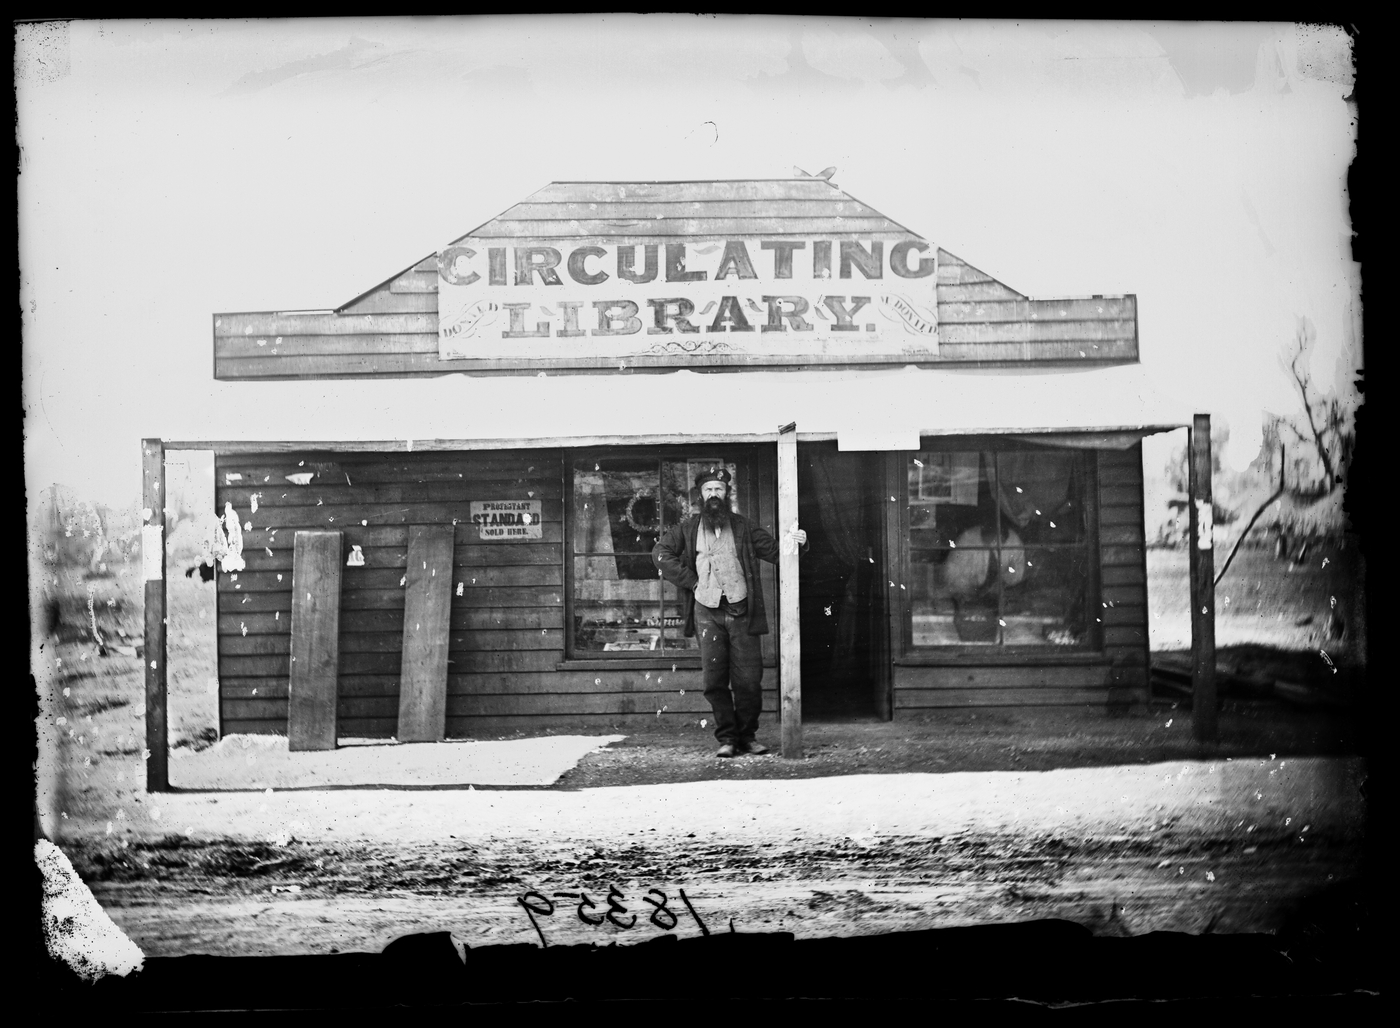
(841, 601)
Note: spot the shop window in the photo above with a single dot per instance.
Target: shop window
(619, 606)
(999, 553)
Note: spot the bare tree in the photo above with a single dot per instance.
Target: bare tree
(1329, 437)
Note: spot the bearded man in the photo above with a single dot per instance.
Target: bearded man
(712, 558)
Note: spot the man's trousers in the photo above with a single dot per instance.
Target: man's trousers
(732, 661)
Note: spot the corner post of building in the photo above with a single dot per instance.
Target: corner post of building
(789, 613)
(153, 573)
(1204, 712)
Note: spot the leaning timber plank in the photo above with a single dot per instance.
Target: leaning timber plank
(315, 618)
(427, 610)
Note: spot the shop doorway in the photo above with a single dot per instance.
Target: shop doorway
(844, 670)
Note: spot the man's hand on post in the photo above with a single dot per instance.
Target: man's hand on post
(795, 539)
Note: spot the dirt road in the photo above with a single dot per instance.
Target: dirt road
(1225, 846)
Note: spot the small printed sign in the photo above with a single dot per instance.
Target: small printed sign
(508, 520)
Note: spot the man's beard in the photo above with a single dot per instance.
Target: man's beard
(715, 511)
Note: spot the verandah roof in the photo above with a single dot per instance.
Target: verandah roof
(457, 411)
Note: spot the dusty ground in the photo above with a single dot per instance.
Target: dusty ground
(961, 819)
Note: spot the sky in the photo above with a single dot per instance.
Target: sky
(170, 170)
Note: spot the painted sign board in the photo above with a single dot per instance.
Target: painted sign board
(508, 520)
(750, 300)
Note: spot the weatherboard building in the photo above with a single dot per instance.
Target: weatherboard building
(965, 459)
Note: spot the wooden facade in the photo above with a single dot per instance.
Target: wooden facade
(1112, 674)
(509, 641)
(508, 661)
(393, 330)
(507, 666)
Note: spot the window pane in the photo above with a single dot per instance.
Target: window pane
(1041, 495)
(996, 549)
(1050, 605)
(613, 613)
(953, 596)
(616, 511)
(949, 498)
(621, 507)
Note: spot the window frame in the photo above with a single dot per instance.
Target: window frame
(745, 484)
(1092, 651)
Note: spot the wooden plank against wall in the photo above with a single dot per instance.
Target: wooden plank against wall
(427, 612)
(153, 572)
(311, 705)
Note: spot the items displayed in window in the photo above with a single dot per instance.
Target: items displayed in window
(998, 548)
(620, 605)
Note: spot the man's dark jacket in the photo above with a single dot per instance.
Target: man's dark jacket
(674, 555)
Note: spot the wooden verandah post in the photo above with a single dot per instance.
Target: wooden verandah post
(1204, 713)
(789, 613)
(153, 574)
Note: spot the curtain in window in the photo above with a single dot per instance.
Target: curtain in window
(836, 477)
(592, 526)
(1030, 482)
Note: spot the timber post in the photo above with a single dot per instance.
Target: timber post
(789, 613)
(1204, 712)
(153, 574)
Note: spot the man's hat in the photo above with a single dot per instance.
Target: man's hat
(713, 475)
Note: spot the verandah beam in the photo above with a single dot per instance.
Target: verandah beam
(1204, 712)
(789, 613)
(153, 575)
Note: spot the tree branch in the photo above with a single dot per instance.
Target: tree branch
(1322, 453)
(1263, 507)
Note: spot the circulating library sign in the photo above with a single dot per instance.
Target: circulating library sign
(738, 300)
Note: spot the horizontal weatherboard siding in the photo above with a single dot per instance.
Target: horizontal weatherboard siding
(391, 330)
